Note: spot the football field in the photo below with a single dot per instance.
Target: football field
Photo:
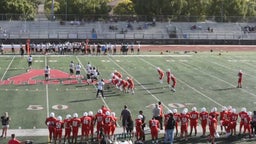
(204, 79)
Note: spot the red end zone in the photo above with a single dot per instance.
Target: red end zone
(36, 76)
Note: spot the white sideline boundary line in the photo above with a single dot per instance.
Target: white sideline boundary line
(46, 91)
(94, 86)
(222, 80)
(7, 68)
(139, 83)
(202, 94)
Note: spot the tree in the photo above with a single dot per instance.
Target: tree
(18, 9)
(124, 8)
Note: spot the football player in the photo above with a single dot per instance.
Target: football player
(161, 74)
(107, 121)
(99, 122)
(58, 129)
(184, 119)
(193, 117)
(240, 78)
(50, 122)
(242, 115)
(86, 125)
(71, 68)
(75, 123)
(203, 116)
(176, 117)
(138, 128)
(67, 126)
(154, 128)
(130, 85)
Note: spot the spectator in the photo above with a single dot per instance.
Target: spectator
(130, 125)
(169, 130)
(143, 124)
(13, 140)
(125, 115)
(5, 124)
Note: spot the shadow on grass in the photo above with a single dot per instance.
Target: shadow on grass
(83, 100)
(225, 89)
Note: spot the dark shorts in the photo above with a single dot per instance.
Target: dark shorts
(77, 72)
(71, 71)
(29, 63)
(46, 75)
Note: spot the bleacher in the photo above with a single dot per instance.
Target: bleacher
(121, 30)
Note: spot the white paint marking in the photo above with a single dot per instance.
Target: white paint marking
(244, 90)
(47, 92)
(53, 61)
(7, 68)
(189, 86)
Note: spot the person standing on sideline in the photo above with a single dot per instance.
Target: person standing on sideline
(143, 124)
(30, 59)
(71, 68)
(169, 129)
(125, 115)
(5, 124)
(47, 73)
(161, 114)
(156, 113)
(13, 140)
(50, 122)
(100, 88)
(240, 78)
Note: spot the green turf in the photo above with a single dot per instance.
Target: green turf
(204, 80)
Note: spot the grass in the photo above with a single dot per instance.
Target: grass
(204, 80)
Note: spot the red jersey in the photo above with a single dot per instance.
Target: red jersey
(242, 115)
(160, 72)
(240, 75)
(118, 74)
(247, 120)
(67, 124)
(138, 124)
(213, 124)
(176, 117)
(193, 116)
(130, 83)
(107, 120)
(184, 119)
(75, 123)
(153, 124)
(216, 114)
(59, 125)
(50, 122)
(99, 119)
(86, 121)
(105, 109)
(233, 117)
(203, 116)
(14, 141)
(224, 115)
(173, 78)
(168, 74)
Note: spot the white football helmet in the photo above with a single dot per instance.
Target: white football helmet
(100, 111)
(233, 110)
(59, 118)
(85, 113)
(224, 108)
(107, 113)
(249, 113)
(140, 116)
(90, 113)
(75, 115)
(113, 114)
(112, 74)
(203, 109)
(174, 110)
(185, 109)
(52, 114)
(170, 112)
(194, 109)
(243, 109)
(68, 116)
(214, 109)
(168, 70)
(229, 107)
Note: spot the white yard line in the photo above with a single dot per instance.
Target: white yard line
(7, 68)
(47, 91)
(196, 90)
(139, 83)
(236, 71)
(244, 90)
(94, 86)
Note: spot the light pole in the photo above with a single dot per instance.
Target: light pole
(53, 17)
(66, 13)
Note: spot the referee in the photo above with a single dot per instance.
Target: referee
(30, 59)
(100, 89)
